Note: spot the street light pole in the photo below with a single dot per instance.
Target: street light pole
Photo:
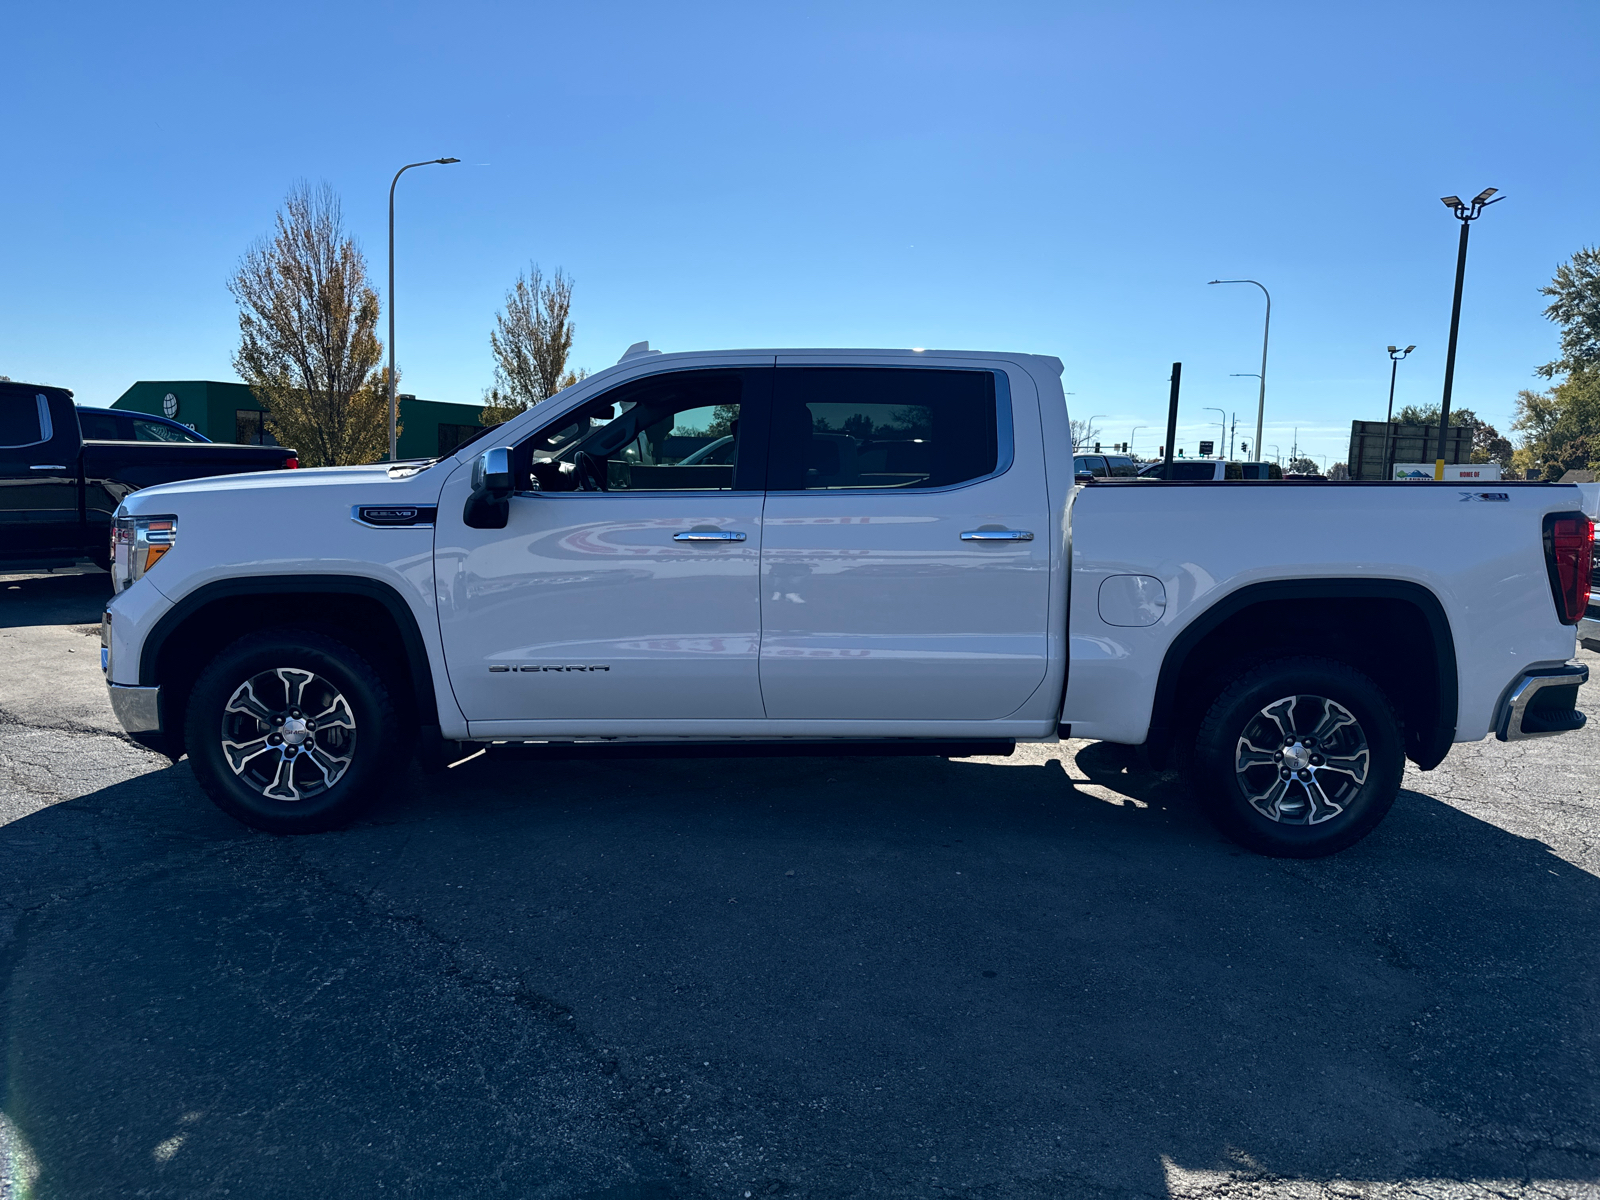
(1266, 330)
(1466, 214)
(1088, 430)
(1222, 425)
(1395, 356)
(1136, 429)
(393, 409)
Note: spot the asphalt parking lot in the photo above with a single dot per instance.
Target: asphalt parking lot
(1043, 976)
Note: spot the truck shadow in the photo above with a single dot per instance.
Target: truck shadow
(63, 598)
(792, 976)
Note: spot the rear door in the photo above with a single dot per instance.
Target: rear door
(38, 472)
(905, 549)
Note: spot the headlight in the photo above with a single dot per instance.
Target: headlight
(137, 544)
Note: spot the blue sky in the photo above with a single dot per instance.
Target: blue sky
(1060, 179)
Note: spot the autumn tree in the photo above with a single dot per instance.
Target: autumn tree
(308, 345)
(531, 340)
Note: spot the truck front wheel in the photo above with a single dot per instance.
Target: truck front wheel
(1299, 758)
(290, 731)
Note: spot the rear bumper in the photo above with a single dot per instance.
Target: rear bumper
(1540, 702)
(137, 708)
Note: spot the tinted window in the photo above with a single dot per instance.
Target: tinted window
(160, 431)
(453, 437)
(99, 426)
(24, 419)
(676, 432)
(1233, 471)
(250, 428)
(882, 427)
(1183, 469)
(1121, 468)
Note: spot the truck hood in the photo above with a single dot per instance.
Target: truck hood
(268, 484)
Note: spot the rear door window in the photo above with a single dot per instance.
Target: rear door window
(1121, 468)
(24, 419)
(851, 428)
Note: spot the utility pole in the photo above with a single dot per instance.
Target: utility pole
(1466, 214)
(1172, 419)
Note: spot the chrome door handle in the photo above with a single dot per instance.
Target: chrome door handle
(997, 535)
(709, 535)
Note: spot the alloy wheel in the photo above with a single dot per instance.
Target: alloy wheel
(1302, 760)
(288, 733)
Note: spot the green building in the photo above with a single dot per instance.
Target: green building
(229, 412)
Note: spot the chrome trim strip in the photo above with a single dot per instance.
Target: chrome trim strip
(138, 709)
(1508, 725)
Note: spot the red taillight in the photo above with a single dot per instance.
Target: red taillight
(1569, 554)
(291, 462)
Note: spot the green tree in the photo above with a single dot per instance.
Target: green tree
(531, 340)
(308, 344)
(1575, 306)
(1560, 428)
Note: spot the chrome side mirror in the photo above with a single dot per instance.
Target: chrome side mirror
(489, 506)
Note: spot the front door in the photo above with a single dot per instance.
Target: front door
(624, 586)
(905, 548)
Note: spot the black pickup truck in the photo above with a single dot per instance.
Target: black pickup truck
(58, 491)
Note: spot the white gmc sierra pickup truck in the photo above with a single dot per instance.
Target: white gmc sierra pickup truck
(874, 551)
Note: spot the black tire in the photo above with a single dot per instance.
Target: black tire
(248, 693)
(1332, 769)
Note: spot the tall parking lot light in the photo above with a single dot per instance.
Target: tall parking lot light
(1395, 356)
(393, 410)
(1266, 331)
(1466, 213)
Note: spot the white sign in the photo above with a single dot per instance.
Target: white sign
(1483, 472)
(169, 405)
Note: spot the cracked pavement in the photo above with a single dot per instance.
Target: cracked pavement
(1040, 976)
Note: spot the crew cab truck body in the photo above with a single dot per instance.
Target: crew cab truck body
(896, 556)
(58, 488)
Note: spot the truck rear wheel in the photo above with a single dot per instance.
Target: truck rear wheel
(1299, 758)
(290, 731)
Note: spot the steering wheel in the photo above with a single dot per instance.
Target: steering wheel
(591, 471)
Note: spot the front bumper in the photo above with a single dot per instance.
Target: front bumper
(1540, 702)
(137, 708)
